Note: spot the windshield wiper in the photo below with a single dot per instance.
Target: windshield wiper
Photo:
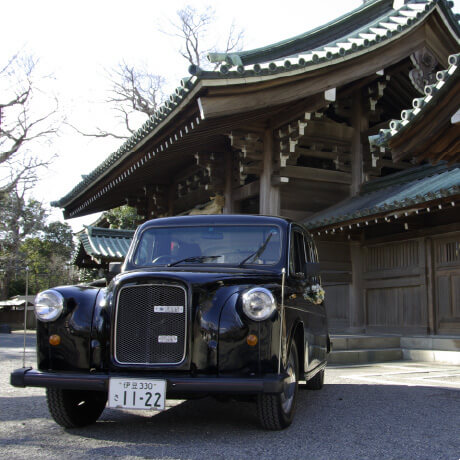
(192, 259)
(259, 251)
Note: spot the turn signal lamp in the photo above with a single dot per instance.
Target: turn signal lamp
(252, 340)
(55, 339)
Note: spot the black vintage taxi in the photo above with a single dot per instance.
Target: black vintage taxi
(224, 305)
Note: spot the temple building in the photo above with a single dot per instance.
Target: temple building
(352, 128)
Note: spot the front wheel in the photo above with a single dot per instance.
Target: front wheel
(277, 411)
(75, 408)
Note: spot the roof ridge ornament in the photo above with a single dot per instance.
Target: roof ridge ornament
(424, 73)
(232, 59)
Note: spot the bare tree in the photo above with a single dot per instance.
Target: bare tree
(133, 91)
(26, 119)
(136, 92)
(192, 27)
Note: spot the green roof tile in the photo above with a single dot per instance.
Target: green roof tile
(397, 191)
(104, 242)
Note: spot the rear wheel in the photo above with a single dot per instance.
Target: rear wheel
(317, 382)
(277, 411)
(75, 408)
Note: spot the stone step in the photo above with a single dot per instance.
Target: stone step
(431, 343)
(364, 342)
(360, 349)
(439, 356)
(362, 356)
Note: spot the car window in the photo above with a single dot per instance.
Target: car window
(224, 244)
(310, 250)
(298, 252)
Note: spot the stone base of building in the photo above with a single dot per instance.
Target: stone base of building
(363, 349)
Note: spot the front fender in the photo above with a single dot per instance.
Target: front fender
(74, 329)
(236, 356)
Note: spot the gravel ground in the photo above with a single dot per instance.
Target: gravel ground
(400, 410)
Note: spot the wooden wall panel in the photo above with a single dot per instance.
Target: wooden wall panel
(394, 286)
(336, 279)
(447, 284)
(392, 257)
(455, 283)
(338, 306)
(395, 308)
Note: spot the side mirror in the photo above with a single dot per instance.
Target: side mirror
(312, 269)
(115, 268)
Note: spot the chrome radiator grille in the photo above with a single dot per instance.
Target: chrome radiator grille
(151, 324)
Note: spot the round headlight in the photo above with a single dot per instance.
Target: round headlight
(48, 305)
(258, 304)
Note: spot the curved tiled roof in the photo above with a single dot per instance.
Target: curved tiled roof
(363, 28)
(343, 26)
(355, 33)
(433, 94)
(404, 190)
(105, 242)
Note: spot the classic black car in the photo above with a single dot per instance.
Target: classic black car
(225, 305)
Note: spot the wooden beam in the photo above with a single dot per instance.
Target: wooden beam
(246, 191)
(255, 168)
(298, 110)
(316, 174)
(329, 130)
(279, 180)
(303, 151)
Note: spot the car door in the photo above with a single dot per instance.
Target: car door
(303, 300)
(298, 309)
(318, 318)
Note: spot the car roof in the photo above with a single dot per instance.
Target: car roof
(217, 219)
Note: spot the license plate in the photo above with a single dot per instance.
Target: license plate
(137, 393)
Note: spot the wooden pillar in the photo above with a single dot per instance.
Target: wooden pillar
(171, 198)
(150, 204)
(429, 283)
(360, 124)
(269, 197)
(357, 300)
(228, 184)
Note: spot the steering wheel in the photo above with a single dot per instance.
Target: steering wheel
(162, 259)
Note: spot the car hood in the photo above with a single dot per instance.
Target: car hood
(201, 276)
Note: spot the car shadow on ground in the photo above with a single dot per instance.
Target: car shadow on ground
(340, 421)
(337, 421)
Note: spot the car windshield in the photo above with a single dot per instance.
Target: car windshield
(217, 244)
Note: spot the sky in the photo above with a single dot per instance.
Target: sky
(79, 42)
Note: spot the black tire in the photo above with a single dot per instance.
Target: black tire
(317, 382)
(277, 411)
(75, 408)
